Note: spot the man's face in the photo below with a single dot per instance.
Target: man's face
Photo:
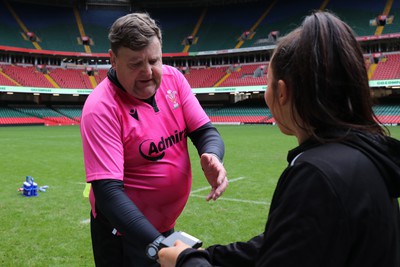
(139, 72)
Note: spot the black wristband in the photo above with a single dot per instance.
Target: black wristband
(153, 248)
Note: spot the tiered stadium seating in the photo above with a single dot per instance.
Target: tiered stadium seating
(388, 68)
(367, 60)
(48, 115)
(239, 113)
(245, 76)
(280, 18)
(72, 112)
(26, 76)
(221, 29)
(100, 74)
(71, 78)
(358, 14)
(96, 23)
(9, 116)
(388, 114)
(205, 77)
(10, 30)
(395, 12)
(55, 26)
(5, 81)
(177, 24)
(222, 26)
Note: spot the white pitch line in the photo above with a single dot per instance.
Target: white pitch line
(208, 188)
(238, 200)
(85, 221)
(228, 199)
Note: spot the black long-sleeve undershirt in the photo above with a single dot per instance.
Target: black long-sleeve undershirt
(121, 212)
(207, 139)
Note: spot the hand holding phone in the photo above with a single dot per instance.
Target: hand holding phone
(162, 242)
(184, 237)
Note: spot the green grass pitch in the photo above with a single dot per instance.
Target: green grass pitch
(52, 229)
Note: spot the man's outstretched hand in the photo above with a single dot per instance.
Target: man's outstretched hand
(215, 173)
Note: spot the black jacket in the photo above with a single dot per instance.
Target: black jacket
(334, 205)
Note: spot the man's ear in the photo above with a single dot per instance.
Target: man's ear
(112, 57)
(283, 96)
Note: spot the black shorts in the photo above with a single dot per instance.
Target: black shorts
(111, 250)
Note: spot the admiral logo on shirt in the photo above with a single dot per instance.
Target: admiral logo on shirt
(134, 114)
(155, 150)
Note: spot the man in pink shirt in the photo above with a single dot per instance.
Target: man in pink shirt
(134, 130)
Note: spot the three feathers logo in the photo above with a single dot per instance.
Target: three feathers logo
(171, 95)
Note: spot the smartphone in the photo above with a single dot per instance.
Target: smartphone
(182, 236)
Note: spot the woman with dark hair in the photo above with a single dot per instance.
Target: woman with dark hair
(336, 202)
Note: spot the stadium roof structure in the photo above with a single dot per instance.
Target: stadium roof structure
(169, 3)
(136, 3)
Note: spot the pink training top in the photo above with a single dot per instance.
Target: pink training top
(126, 139)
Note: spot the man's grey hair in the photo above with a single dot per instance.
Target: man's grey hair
(134, 31)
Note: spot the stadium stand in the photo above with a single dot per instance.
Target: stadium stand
(97, 29)
(205, 77)
(232, 21)
(214, 29)
(358, 18)
(247, 75)
(9, 117)
(280, 19)
(60, 28)
(395, 25)
(51, 24)
(48, 115)
(26, 75)
(72, 112)
(176, 24)
(10, 30)
(100, 74)
(247, 111)
(7, 80)
(71, 78)
(388, 68)
(388, 114)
